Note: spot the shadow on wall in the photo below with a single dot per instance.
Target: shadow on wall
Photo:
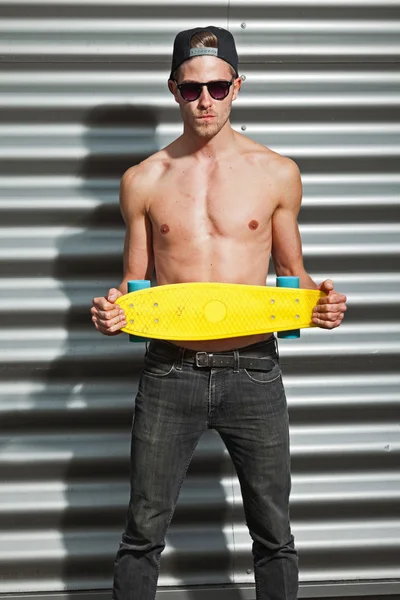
(94, 382)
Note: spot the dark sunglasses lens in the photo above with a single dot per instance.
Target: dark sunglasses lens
(190, 91)
(218, 89)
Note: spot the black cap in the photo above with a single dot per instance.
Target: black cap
(226, 47)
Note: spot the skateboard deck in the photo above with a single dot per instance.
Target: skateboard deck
(206, 311)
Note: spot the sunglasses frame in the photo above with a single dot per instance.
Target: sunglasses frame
(201, 85)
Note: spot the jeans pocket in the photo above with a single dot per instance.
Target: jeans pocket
(158, 367)
(264, 377)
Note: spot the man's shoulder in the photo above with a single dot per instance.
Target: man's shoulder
(148, 171)
(268, 159)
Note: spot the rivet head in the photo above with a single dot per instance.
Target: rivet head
(272, 316)
(272, 301)
(244, 127)
(243, 25)
(155, 303)
(243, 77)
(297, 316)
(131, 306)
(297, 300)
(155, 320)
(132, 321)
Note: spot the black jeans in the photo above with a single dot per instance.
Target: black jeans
(176, 402)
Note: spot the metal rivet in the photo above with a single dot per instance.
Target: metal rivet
(155, 320)
(244, 127)
(132, 321)
(272, 316)
(243, 77)
(131, 306)
(297, 300)
(248, 571)
(243, 25)
(272, 301)
(155, 303)
(297, 316)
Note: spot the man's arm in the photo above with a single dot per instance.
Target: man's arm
(138, 261)
(287, 253)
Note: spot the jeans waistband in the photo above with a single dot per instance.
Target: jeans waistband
(171, 351)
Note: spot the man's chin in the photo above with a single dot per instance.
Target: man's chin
(206, 130)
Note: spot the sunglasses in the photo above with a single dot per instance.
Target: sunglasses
(217, 89)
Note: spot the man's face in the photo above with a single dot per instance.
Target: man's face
(205, 116)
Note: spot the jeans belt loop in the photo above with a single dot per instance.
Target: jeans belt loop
(179, 360)
(236, 354)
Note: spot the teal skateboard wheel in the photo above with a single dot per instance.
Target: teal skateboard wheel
(133, 286)
(289, 282)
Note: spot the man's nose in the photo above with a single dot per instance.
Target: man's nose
(205, 98)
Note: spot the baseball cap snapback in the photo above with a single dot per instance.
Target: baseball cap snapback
(226, 47)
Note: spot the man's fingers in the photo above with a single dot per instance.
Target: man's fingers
(112, 322)
(329, 308)
(113, 294)
(109, 326)
(108, 332)
(104, 310)
(107, 302)
(328, 317)
(329, 311)
(105, 316)
(110, 314)
(104, 305)
(328, 324)
(333, 298)
(111, 319)
(108, 317)
(326, 286)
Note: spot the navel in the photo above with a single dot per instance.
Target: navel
(164, 228)
(253, 225)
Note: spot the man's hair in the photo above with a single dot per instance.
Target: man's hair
(204, 39)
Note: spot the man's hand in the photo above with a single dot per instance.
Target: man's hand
(108, 318)
(329, 311)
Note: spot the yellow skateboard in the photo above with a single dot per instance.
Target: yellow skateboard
(206, 311)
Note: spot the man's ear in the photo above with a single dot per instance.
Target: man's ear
(238, 84)
(173, 89)
(172, 86)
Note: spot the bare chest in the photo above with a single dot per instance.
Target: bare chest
(223, 204)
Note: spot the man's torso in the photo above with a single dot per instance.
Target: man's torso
(212, 220)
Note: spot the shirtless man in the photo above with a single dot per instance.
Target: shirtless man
(211, 206)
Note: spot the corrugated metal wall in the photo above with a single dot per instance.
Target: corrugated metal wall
(83, 95)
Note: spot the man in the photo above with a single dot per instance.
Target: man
(211, 206)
